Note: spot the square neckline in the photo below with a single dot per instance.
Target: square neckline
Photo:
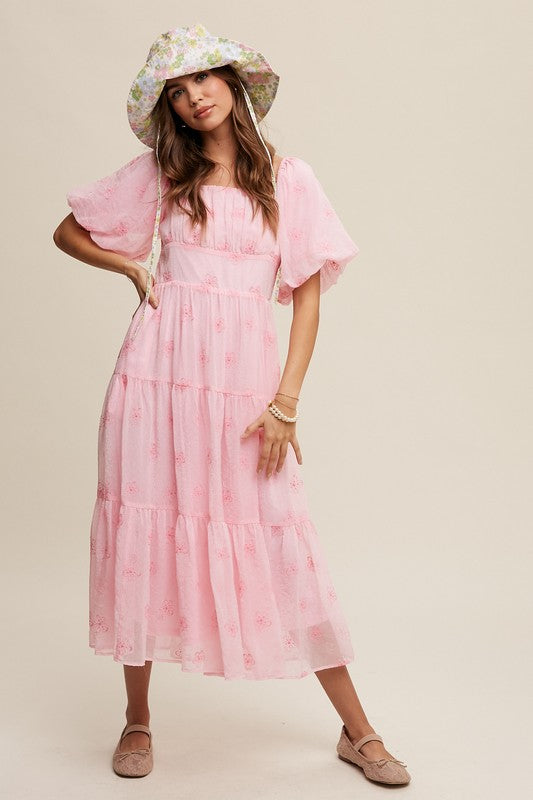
(238, 188)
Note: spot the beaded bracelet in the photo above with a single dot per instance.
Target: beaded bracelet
(272, 407)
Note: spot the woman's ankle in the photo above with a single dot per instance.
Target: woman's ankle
(356, 732)
(141, 716)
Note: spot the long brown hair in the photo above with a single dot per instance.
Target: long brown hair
(187, 166)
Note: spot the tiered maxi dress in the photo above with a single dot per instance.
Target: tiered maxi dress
(196, 558)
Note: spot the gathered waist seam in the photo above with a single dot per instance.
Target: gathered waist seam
(205, 287)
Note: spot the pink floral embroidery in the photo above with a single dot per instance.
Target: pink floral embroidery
(249, 546)
(180, 457)
(136, 414)
(167, 275)
(231, 627)
(227, 496)
(123, 647)
(249, 324)
(222, 552)
(199, 657)
(330, 264)
(121, 229)
(230, 359)
(183, 624)
(220, 324)
(277, 530)
(168, 347)
(291, 568)
(302, 604)
(98, 623)
(187, 311)
(103, 491)
(153, 568)
(178, 652)
(132, 487)
(249, 660)
(109, 191)
(154, 450)
(182, 547)
(203, 357)
(269, 338)
(288, 641)
(249, 247)
(262, 621)
(105, 418)
(332, 594)
(310, 563)
(130, 570)
(183, 383)
(167, 607)
(170, 534)
(211, 280)
(199, 490)
(315, 633)
(99, 551)
(295, 482)
(241, 588)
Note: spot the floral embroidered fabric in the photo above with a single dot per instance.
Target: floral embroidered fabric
(195, 557)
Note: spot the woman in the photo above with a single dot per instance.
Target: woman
(202, 548)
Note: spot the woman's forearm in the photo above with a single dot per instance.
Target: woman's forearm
(302, 338)
(74, 240)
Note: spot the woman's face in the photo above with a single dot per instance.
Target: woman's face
(189, 94)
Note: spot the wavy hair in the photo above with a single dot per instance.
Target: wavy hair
(187, 166)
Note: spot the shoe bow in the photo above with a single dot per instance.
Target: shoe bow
(142, 751)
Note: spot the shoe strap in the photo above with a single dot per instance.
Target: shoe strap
(134, 727)
(370, 737)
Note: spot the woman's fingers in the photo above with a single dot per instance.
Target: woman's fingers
(269, 455)
(296, 448)
(282, 454)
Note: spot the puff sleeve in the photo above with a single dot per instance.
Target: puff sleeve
(310, 234)
(119, 209)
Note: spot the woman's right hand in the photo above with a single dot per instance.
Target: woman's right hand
(139, 277)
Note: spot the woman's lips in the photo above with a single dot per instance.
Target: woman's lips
(204, 113)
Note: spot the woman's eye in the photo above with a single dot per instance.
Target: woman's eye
(200, 75)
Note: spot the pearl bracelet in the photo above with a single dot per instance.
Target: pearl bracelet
(272, 407)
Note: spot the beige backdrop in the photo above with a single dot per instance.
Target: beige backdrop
(416, 411)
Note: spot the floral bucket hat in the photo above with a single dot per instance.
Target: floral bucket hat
(182, 51)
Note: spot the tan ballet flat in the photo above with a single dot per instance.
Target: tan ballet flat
(384, 770)
(133, 763)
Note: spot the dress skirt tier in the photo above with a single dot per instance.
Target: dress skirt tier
(196, 558)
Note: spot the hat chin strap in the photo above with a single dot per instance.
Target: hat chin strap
(158, 212)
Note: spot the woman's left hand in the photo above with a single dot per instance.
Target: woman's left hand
(276, 438)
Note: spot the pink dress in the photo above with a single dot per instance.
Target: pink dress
(196, 558)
